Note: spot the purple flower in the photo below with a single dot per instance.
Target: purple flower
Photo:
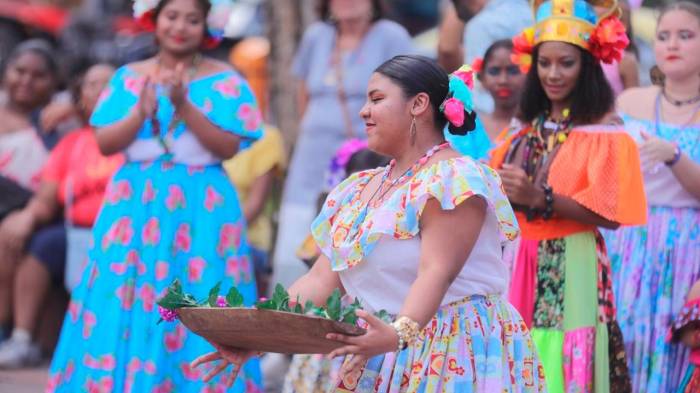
(167, 315)
(221, 301)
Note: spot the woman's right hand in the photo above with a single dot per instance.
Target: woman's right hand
(227, 356)
(148, 99)
(15, 230)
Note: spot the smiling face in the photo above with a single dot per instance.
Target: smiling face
(677, 44)
(558, 67)
(181, 26)
(29, 80)
(387, 116)
(502, 79)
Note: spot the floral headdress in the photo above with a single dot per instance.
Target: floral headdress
(458, 106)
(574, 22)
(216, 20)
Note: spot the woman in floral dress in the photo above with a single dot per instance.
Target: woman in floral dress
(169, 213)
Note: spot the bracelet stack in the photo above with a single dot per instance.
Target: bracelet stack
(548, 202)
(676, 156)
(407, 330)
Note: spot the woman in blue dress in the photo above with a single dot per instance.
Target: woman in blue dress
(169, 213)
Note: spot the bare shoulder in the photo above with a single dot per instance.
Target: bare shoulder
(638, 101)
(211, 66)
(443, 155)
(143, 67)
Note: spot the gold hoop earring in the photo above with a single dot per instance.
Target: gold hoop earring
(413, 131)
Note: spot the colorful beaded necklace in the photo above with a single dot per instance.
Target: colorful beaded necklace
(537, 149)
(382, 191)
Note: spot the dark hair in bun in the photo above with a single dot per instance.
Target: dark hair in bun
(419, 74)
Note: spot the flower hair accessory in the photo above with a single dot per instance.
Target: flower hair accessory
(523, 44)
(336, 171)
(144, 12)
(574, 22)
(458, 107)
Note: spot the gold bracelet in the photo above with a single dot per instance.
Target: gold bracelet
(407, 330)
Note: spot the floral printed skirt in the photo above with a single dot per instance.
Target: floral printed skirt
(479, 344)
(562, 289)
(159, 222)
(653, 268)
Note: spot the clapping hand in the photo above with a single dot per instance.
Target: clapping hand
(176, 84)
(148, 100)
(227, 356)
(518, 187)
(380, 338)
(654, 152)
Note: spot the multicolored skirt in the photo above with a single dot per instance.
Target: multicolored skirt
(562, 289)
(479, 344)
(691, 380)
(653, 268)
(160, 222)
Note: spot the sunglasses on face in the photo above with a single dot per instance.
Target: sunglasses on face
(511, 70)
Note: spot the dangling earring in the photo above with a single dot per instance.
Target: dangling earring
(413, 131)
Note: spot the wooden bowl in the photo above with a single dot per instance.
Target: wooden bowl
(265, 330)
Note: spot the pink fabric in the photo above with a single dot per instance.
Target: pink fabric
(695, 357)
(579, 350)
(522, 291)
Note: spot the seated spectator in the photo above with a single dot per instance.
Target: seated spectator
(33, 239)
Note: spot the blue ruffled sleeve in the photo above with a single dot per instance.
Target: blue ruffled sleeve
(229, 103)
(117, 99)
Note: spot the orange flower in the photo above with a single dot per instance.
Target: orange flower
(523, 44)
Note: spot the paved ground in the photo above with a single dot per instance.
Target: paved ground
(30, 380)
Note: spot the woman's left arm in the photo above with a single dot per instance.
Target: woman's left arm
(223, 144)
(656, 151)
(444, 252)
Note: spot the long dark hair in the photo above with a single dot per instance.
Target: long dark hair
(324, 10)
(591, 99)
(419, 74)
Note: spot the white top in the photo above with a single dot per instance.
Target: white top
(383, 279)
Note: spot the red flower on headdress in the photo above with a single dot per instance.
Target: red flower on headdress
(147, 21)
(478, 64)
(609, 40)
(523, 44)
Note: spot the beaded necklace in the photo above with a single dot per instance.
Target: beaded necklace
(382, 191)
(536, 148)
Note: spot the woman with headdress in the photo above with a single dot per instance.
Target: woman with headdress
(570, 170)
(169, 213)
(388, 238)
(654, 266)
